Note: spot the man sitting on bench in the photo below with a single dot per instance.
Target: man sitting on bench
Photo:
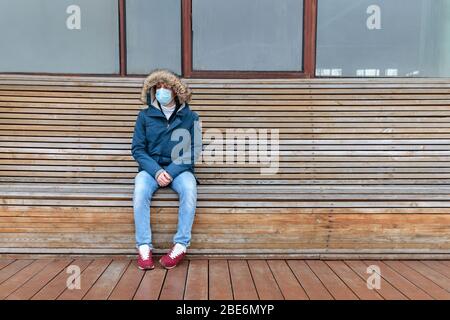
(166, 143)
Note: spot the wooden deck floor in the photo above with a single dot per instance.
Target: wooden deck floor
(107, 278)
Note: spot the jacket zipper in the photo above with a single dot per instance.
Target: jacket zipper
(167, 120)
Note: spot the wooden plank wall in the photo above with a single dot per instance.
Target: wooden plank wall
(364, 168)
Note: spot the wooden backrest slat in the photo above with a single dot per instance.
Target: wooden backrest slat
(333, 131)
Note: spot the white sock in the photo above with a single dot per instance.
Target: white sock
(181, 246)
(144, 251)
(178, 249)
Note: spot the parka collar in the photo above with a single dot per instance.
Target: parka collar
(154, 111)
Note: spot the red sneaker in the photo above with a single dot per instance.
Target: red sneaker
(145, 260)
(174, 257)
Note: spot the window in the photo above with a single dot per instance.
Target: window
(384, 38)
(59, 36)
(227, 38)
(247, 35)
(153, 35)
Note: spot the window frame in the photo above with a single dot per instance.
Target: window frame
(308, 47)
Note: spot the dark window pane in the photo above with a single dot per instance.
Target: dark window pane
(153, 35)
(247, 35)
(383, 38)
(59, 36)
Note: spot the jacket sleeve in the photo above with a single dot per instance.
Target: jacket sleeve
(138, 148)
(187, 160)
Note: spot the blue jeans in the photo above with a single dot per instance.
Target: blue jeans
(144, 187)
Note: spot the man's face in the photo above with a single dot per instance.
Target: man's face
(164, 85)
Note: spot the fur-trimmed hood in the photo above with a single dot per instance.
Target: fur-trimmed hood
(163, 75)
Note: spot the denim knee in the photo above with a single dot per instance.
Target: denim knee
(144, 186)
(188, 190)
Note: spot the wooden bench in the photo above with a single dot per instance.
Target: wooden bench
(364, 168)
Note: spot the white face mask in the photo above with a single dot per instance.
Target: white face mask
(164, 96)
